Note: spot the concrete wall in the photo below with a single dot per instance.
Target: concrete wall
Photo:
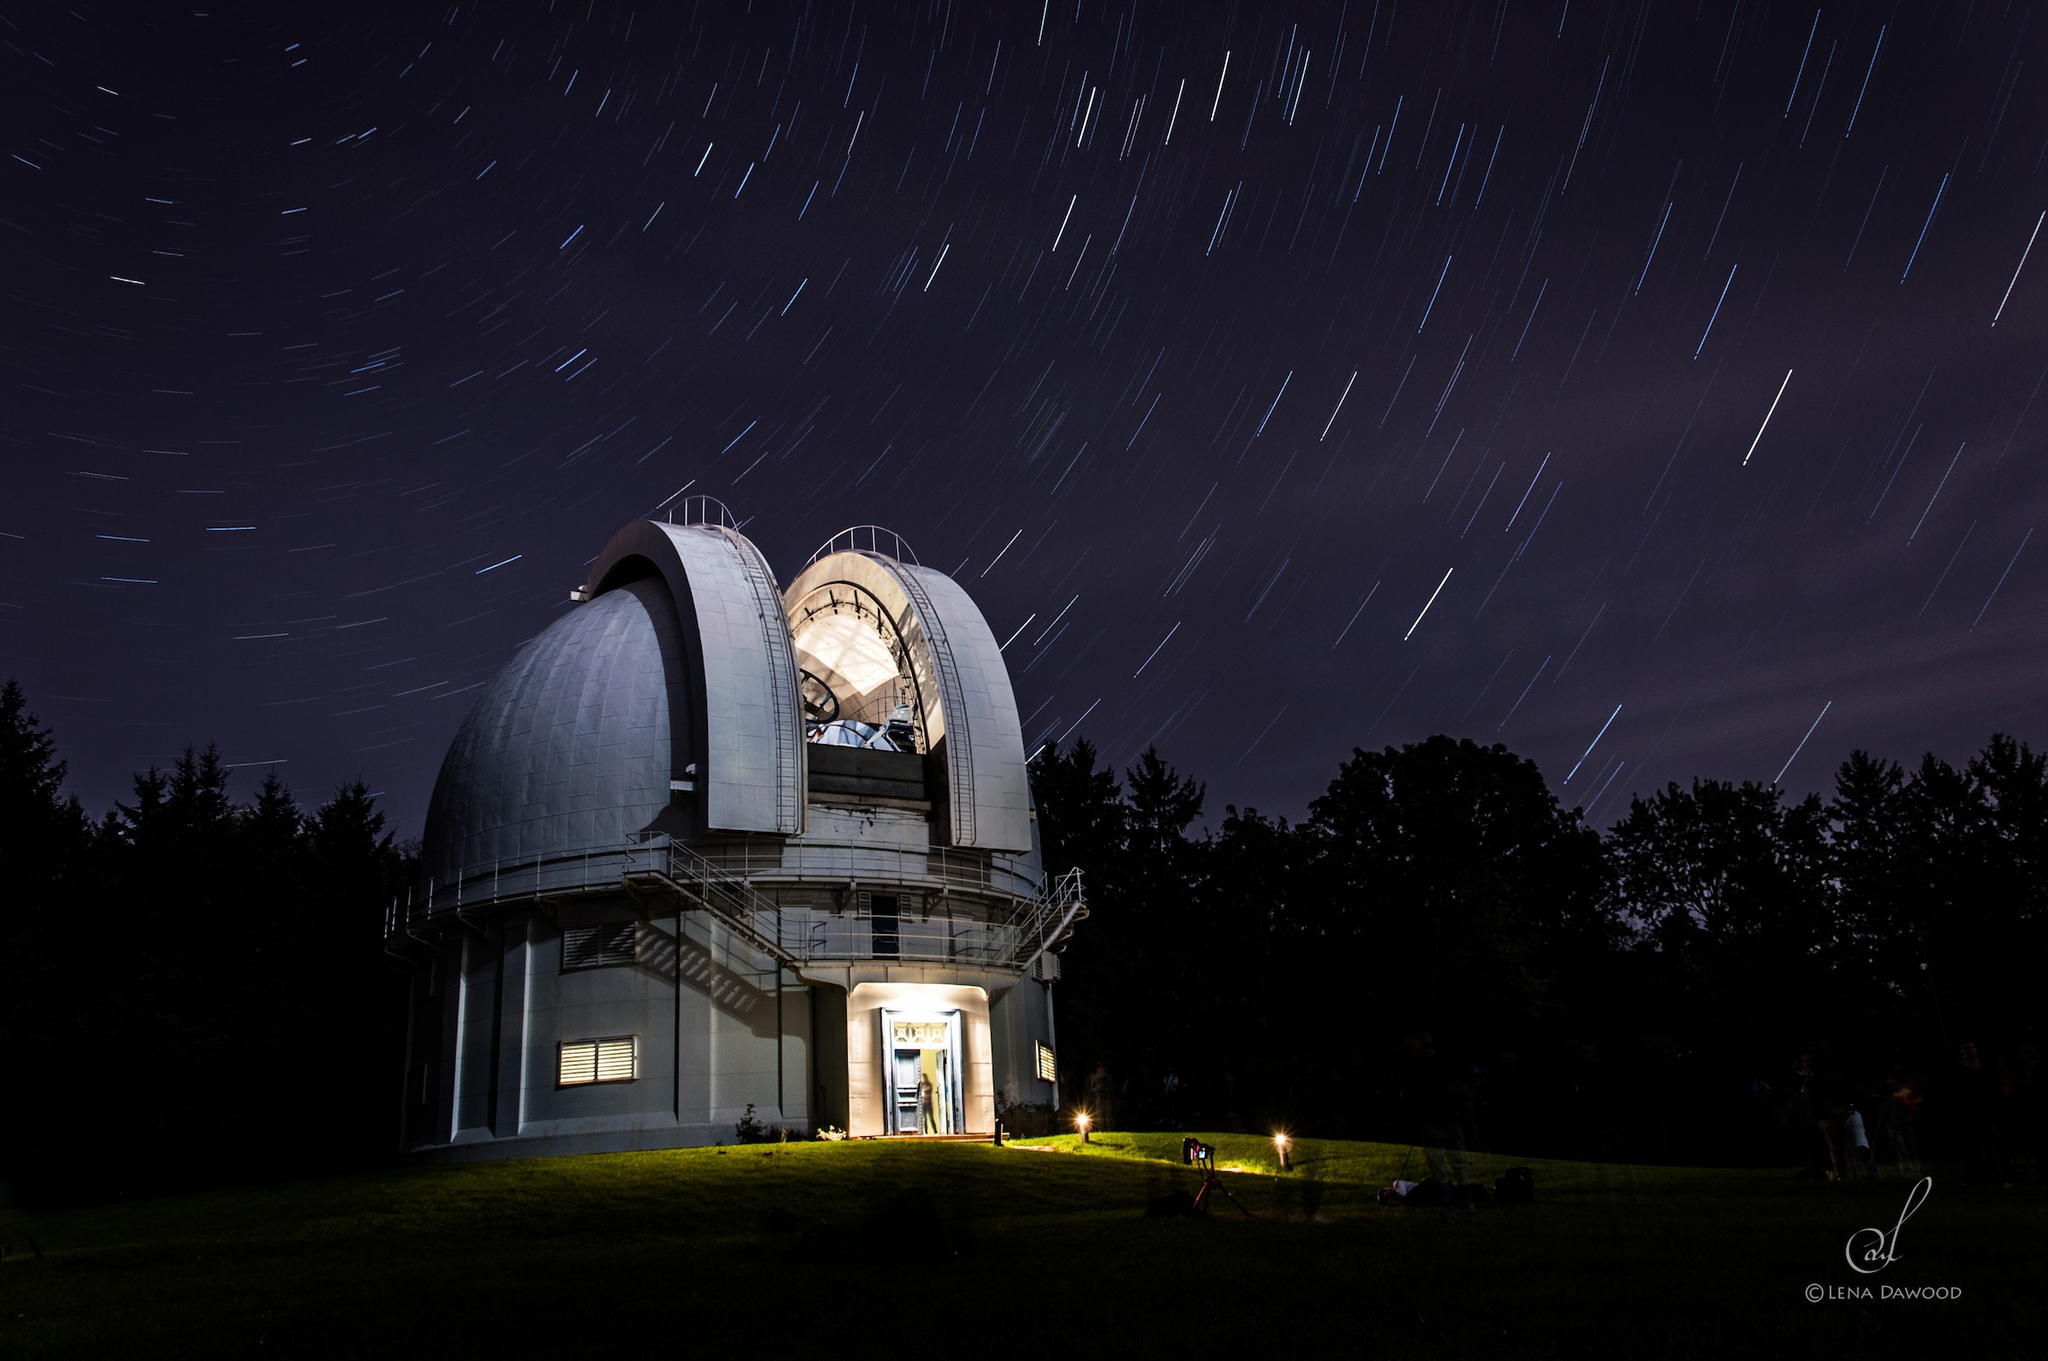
(828, 1077)
(716, 1030)
(1019, 1022)
(594, 1004)
(476, 1024)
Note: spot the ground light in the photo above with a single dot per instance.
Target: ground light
(1081, 1122)
(1280, 1145)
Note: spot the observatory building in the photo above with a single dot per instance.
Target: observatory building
(706, 849)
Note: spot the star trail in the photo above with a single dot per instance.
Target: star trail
(1692, 347)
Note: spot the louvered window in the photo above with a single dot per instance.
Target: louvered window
(587, 947)
(587, 1061)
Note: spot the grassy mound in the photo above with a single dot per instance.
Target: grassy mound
(924, 1249)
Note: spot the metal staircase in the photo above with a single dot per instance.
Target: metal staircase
(1049, 920)
(670, 870)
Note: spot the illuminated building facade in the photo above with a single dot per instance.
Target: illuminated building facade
(705, 844)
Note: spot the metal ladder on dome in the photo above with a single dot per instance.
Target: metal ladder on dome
(681, 873)
(959, 736)
(788, 801)
(782, 698)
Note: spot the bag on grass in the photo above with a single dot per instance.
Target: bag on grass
(1516, 1186)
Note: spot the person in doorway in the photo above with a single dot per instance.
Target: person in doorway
(927, 1105)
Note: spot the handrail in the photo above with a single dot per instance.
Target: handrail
(703, 510)
(727, 897)
(1067, 895)
(723, 884)
(753, 859)
(875, 534)
(540, 876)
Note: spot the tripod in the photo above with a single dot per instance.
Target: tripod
(1205, 1159)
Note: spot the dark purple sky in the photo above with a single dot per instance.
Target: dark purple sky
(1199, 342)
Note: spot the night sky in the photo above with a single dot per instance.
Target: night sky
(1653, 388)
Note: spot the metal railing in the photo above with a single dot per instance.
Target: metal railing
(806, 936)
(771, 861)
(726, 896)
(817, 859)
(865, 539)
(701, 510)
(493, 881)
(1049, 919)
(723, 887)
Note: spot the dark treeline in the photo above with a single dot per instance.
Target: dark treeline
(1643, 995)
(194, 988)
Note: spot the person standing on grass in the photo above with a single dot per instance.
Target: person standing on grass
(1807, 1113)
(1101, 1095)
(1860, 1166)
(1433, 1101)
(1898, 1113)
(1835, 1101)
(1971, 1101)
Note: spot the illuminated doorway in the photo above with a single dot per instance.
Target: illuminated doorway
(921, 1053)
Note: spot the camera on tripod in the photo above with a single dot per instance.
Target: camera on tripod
(1202, 1157)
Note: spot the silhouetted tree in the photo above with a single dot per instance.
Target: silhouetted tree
(44, 838)
(1973, 882)
(1080, 826)
(1730, 886)
(1864, 847)
(1453, 864)
(1256, 973)
(1080, 811)
(39, 826)
(192, 990)
(1139, 867)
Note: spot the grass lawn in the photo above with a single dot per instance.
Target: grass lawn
(906, 1249)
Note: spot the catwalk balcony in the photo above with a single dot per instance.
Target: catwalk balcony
(954, 912)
